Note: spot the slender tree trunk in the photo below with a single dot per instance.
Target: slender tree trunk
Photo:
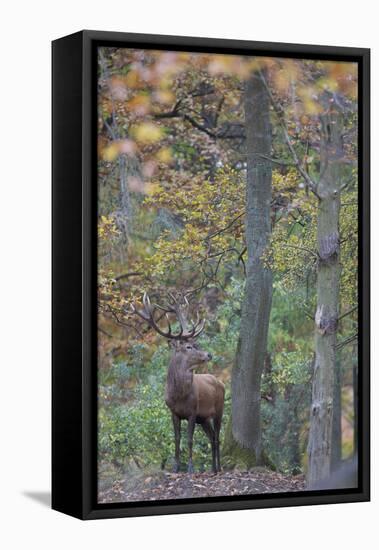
(293, 430)
(336, 423)
(243, 436)
(355, 403)
(328, 285)
(125, 209)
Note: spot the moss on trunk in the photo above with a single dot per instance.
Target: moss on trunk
(234, 455)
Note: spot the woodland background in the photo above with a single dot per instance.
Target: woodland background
(26, 483)
(233, 180)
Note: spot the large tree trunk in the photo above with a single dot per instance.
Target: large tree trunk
(328, 285)
(243, 437)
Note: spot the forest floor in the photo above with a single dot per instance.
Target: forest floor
(165, 485)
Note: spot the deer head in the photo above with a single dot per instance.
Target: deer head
(191, 352)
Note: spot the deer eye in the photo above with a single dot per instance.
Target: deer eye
(188, 347)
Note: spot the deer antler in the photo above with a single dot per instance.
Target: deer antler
(180, 310)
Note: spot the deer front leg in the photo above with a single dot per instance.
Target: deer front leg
(191, 428)
(176, 422)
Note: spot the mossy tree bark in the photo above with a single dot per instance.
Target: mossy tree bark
(337, 414)
(328, 286)
(243, 441)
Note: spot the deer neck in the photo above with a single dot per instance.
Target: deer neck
(179, 378)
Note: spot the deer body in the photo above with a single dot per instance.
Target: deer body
(197, 398)
(202, 394)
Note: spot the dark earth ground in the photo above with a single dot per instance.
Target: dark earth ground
(165, 485)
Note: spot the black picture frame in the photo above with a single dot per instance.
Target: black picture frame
(74, 386)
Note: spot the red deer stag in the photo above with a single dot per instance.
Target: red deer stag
(197, 398)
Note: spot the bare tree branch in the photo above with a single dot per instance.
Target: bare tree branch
(208, 237)
(298, 164)
(348, 312)
(348, 340)
(127, 275)
(303, 248)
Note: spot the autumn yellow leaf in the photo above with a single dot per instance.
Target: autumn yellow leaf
(147, 132)
(117, 147)
(164, 155)
(139, 104)
(164, 96)
(133, 79)
(111, 152)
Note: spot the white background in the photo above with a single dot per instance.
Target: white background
(27, 27)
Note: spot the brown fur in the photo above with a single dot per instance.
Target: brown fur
(197, 398)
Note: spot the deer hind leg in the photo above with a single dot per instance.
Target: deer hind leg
(176, 422)
(208, 429)
(191, 429)
(217, 428)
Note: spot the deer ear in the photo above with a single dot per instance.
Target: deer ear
(173, 344)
